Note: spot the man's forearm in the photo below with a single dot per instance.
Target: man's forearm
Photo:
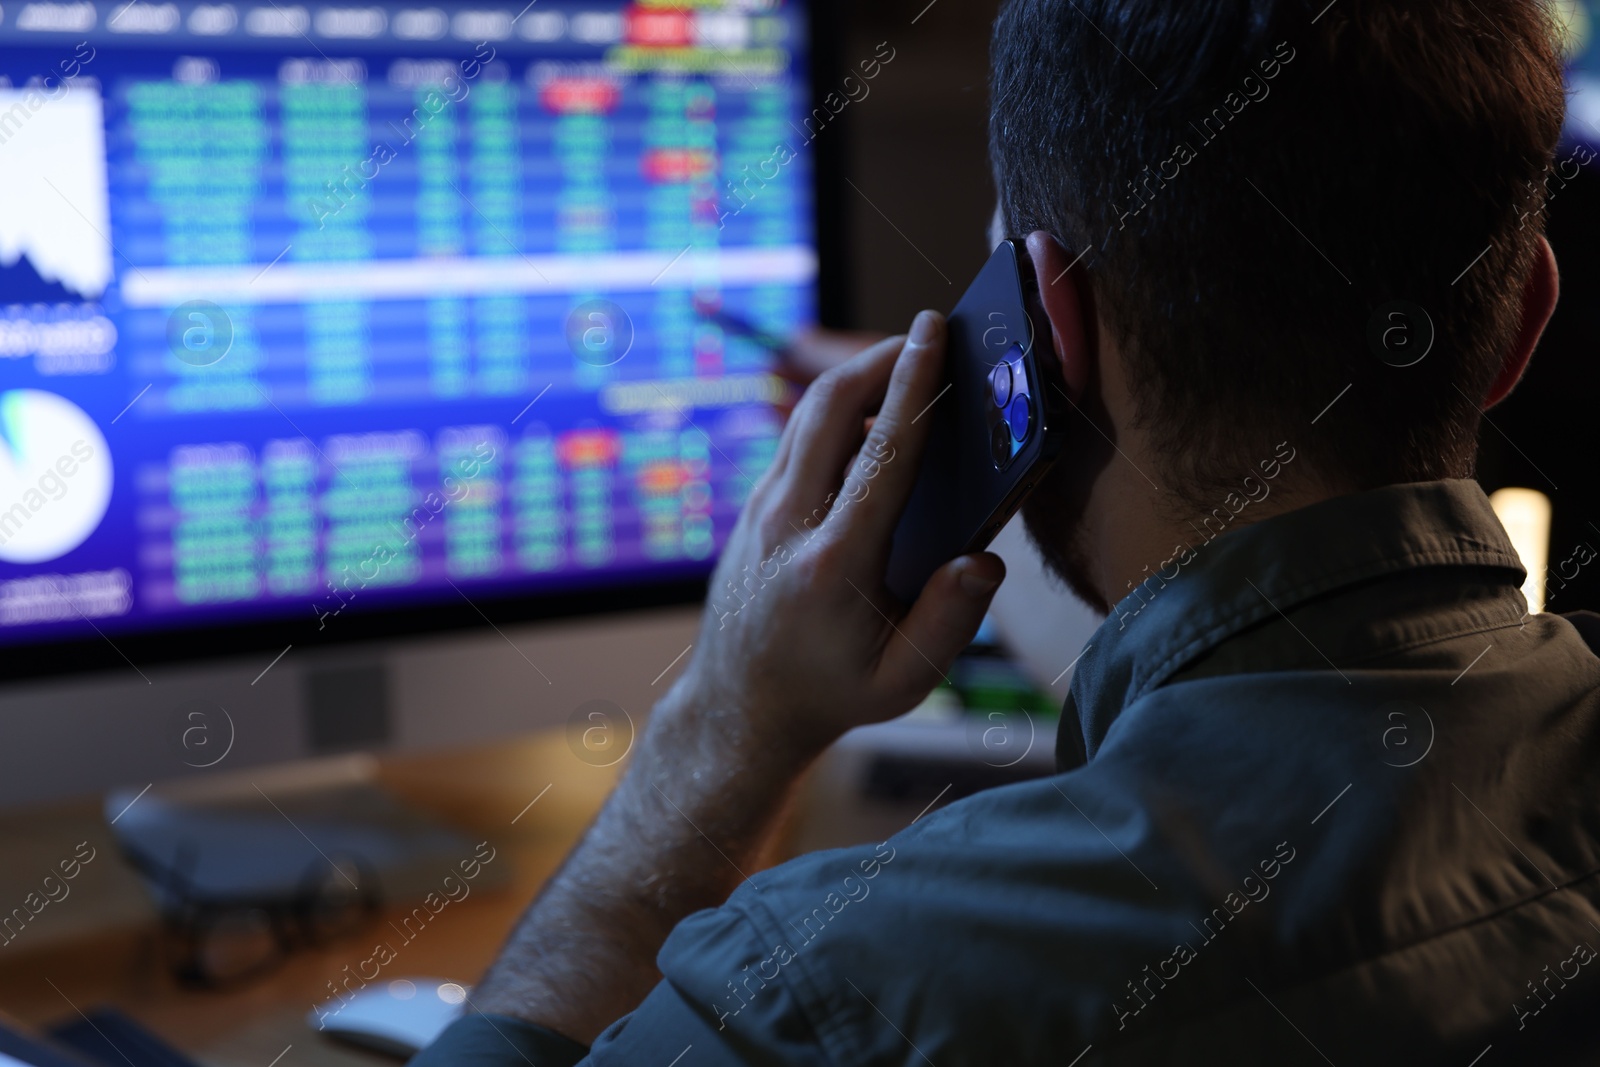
(822, 649)
(682, 829)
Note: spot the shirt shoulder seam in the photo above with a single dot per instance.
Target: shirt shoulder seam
(1163, 671)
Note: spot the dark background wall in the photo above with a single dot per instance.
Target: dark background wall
(1544, 436)
(915, 150)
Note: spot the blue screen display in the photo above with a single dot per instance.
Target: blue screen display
(1577, 21)
(307, 311)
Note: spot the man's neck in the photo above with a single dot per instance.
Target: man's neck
(1137, 532)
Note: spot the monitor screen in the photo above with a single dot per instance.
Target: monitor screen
(315, 313)
(1577, 22)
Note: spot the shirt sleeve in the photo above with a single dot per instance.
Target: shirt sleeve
(708, 1002)
(498, 1041)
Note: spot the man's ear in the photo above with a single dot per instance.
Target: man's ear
(1060, 293)
(1539, 296)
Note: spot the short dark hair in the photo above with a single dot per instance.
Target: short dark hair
(1251, 181)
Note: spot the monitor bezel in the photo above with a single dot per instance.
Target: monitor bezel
(603, 593)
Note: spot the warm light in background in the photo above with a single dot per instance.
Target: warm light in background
(1573, 25)
(1525, 513)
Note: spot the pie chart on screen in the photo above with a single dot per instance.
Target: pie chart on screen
(55, 476)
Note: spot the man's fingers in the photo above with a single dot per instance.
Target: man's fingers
(942, 622)
(879, 485)
(825, 431)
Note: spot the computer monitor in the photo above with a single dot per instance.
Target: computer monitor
(1579, 21)
(320, 321)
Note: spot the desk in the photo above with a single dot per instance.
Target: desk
(98, 945)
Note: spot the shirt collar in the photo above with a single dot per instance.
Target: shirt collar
(1210, 590)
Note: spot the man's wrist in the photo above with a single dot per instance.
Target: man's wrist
(722, 769)
(737, 728)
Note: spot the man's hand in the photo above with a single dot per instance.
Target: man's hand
(801, 641)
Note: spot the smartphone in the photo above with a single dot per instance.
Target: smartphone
(997, 424)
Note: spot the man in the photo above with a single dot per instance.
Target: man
(1327, 790)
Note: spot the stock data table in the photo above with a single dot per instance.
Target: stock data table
(385, 299)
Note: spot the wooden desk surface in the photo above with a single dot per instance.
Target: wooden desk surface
(98, 946)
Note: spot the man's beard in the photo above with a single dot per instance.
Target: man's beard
(1054, 512)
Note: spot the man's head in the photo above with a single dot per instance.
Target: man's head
(1249, 189)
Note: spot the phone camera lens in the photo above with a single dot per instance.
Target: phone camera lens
(1020, 417)
(1000, 384)
(1000, 444)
